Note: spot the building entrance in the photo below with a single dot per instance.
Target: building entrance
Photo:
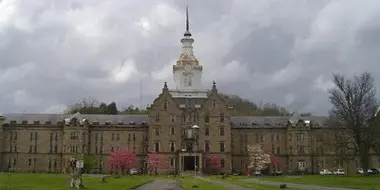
(189, 162)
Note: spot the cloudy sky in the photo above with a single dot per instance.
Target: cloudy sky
(54, 52)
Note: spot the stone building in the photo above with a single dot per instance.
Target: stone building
(44, 142)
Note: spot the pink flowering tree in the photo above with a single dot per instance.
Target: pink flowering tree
(258, 159)
(155, 161)
(123, 159)
(275, 162)
(214, 162)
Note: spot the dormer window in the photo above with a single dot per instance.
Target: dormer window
(36, 122)
(24, 122)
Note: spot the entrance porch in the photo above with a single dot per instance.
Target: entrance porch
(188, 162)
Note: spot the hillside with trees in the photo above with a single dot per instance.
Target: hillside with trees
(240, 106)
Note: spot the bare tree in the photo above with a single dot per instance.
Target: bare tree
(354, 106)
(90, 104)
(341, 143)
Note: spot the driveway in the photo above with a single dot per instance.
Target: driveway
(161, 184)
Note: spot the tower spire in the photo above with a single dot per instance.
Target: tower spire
(187, 32)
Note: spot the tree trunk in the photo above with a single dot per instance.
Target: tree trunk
(364, 163)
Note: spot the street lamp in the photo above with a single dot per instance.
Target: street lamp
(195, 128)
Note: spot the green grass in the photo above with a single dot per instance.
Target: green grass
(362, 182)
(20, 181)
(60, 182)
(238, 181)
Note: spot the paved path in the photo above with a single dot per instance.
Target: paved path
(161, 184)
(293, 185)
(225, 184)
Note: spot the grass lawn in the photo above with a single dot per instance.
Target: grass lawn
(365, 183)
(19, 181)
(237, 180)
(61, 182)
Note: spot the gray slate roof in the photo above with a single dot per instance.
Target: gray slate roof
(275, 121)
(55, 118)
(237, 121)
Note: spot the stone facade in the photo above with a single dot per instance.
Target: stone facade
(44, 142)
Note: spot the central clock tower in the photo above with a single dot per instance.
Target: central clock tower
(187, 71)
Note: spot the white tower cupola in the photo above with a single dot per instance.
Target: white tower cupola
(187, 72)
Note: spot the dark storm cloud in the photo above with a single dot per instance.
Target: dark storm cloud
(53, 53)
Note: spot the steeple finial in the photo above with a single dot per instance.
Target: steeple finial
(187, 32)
(214, 86)
(165, 86)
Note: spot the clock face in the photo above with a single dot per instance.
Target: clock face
(187, 67)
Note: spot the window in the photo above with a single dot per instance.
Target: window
(222, 146)
(117, 137)
(172, 146)
(222, 163)
(189, 147)
(172, 162)
(300, 136)
(172, 118)
(207, 131)
(73, 136)
(278, 150)
(129, 137)
(301, 164)
(49, 164)
(185, 81)
(261, 138)
(157, 131)
(207, 147)
(207, 118)
(157, 147)
(278, 137)
(113, 136)
(165, 104)
(319, 138)
(171, 130)
(221, 117)
(301, 149)
(134, 137)
(221, 131)
(157, 117)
